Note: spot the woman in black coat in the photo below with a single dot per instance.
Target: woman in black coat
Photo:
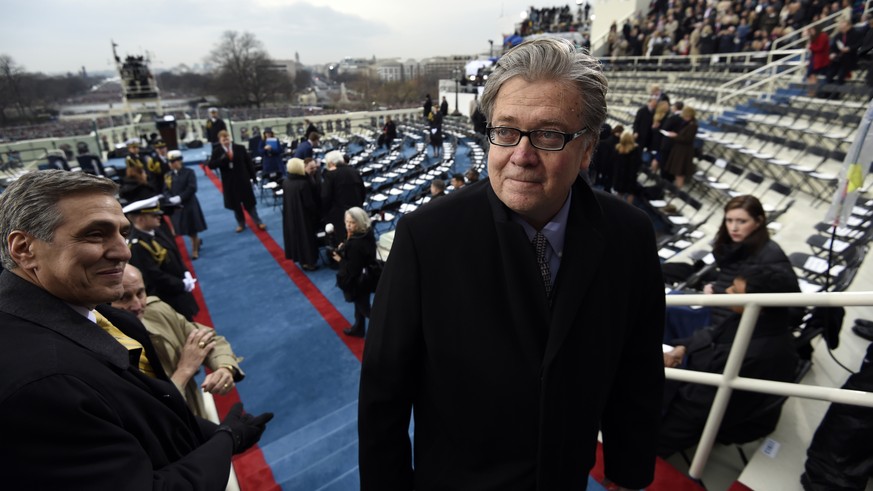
(743, 240)
(628, 161)
(300, 215)
(354, 255)
(181, 185)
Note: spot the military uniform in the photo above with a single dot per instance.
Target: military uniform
(162, 269)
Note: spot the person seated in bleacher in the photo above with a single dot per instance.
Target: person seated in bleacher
(844, 52)
(182, 346)
(88, 162)
(771, 355)
(437, 189)
(458, 181)
(472, 175)
(743, 241)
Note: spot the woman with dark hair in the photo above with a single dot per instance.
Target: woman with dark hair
(742, 241)
(354, 255)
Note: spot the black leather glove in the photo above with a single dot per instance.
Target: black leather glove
(245, 429)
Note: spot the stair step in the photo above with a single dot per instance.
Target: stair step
(312, 432)
(316, 451)
(350, 481)
(324, 471)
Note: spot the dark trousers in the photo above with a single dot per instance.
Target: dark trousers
(362, 311)
(241, 218)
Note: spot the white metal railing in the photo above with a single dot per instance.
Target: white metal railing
(729, 380)
(797, 39)
(781, 70)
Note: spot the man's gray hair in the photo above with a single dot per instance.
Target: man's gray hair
(30, 204)
(549, 58)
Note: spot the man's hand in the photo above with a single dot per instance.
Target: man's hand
(673, 358)
(708, 289)
(197, 346)
(218, 382)
(245, 429)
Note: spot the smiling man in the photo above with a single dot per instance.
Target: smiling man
(81, 404)
(557, 308)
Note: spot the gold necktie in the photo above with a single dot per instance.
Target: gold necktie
(126, 341)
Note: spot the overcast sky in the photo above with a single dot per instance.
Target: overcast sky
(57, 36)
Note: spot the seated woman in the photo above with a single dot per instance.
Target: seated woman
(771, 355)
(743, 240)
(353, 255)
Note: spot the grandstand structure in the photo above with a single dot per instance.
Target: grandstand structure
(761, 133)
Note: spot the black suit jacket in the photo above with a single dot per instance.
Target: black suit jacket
(508, 393)
(164, 280)
(236, 175)
(75, 413)
(342, 189)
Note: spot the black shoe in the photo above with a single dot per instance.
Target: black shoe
(864, 331)
(864, 322)
(354, 331)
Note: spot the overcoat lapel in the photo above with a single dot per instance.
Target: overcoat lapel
(530, 313)
(583, 251)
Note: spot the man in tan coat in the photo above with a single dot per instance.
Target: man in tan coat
(182, 346)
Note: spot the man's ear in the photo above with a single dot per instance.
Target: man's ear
(20, 246)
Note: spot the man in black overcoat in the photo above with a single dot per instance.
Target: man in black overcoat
(518, 317)
(343, 188)
(642, 126)
(214, 126)
(82, 405)
(237, 176)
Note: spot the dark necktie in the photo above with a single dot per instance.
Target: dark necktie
(539, 242)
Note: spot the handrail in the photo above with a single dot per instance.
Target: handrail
(726, 94)
(730, 380)
(799, 33)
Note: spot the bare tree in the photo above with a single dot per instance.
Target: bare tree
(245, 73)
(11, 75)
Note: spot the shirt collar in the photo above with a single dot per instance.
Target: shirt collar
(554, 230)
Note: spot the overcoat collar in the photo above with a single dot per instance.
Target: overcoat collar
(23, 299)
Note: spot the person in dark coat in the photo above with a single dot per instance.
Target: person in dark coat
(78, 408)
(389, 133)
(642, 127)
(255, 143)
(181, 186)
(237, 174)
(435, 126)
(673, 122)
(157, 257)
(771, 355)
(844, 51)
(353, 255)
(342, 188)
(628, 161)
(299, 216)
(444, 107)
(546, 345)
(603, 160)
(680, 157)
(428, 105)
(214, 126)
(306, 149)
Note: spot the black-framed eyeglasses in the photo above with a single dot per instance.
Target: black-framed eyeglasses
(551, 140)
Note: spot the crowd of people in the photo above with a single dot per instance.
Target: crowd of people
(555, 19)
(706, 27)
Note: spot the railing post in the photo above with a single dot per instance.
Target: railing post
(723, 395)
